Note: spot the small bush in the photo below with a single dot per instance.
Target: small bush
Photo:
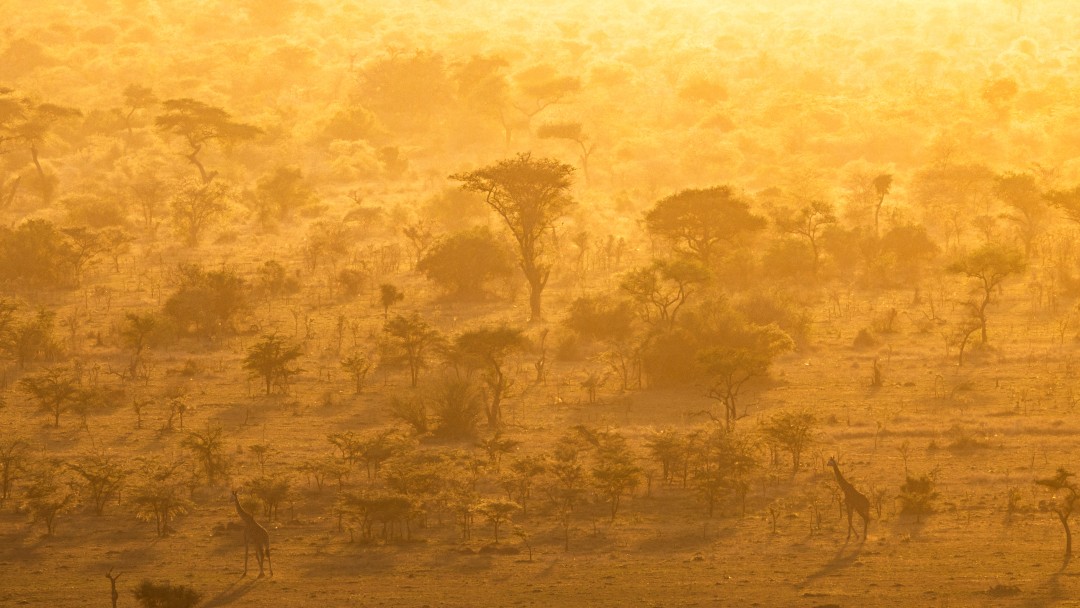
(864, 339)
(917, 495)
(165, 595)
(458, 407)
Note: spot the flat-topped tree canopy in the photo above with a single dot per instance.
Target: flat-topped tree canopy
(199, 124)
(701, 219)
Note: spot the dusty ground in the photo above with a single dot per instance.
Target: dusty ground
(1015, 401)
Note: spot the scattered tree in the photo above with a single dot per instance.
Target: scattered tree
(200, 124)
(388, 296)
(487, 351)
(411, 340)
(990, 265)
(791, 431)
(1061, 504)
(274, 361)
(530, 195)
(698, 221)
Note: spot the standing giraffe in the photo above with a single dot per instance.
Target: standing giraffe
(254, 534)
(112, 583)
(853, 500)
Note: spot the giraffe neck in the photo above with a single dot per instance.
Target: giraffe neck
(244, 515)
(840, 479)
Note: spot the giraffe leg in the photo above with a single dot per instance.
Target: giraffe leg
(245, 554)
(268, 562)
(849, 526)
(259, 555)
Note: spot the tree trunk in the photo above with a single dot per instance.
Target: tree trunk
(202, 170)
(1068, 536)
(536, 288)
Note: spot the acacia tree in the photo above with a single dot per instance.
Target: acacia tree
(661, 289)
(809, 222)
(195, 206)
(102, 477)
(413, 338)
(358, 365)
(1027, 208)
(160, 494)
(1068, 201)
(35, 127)
(277, 194)
(1062, 503)
(989, 265)
(47, 494)
(54, 389)
(731, 365)
(698, 221)
(136, 97)
(136, 334)
(530, 195)
(200, 124)
(882, 185)
(791, 431)
(208, 448)
(272, 360)
(487, 350)
(570, 131)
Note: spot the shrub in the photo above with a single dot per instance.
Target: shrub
(864, 339)
(165, 595)
(465, 264)
(917, 495)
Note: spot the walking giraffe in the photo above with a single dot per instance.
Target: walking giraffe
(254, 534)
(853, 500)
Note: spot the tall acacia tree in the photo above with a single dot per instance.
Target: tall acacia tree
(199, 124)
(530, 195)
(33, 128)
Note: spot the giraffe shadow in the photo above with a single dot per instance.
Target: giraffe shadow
(841, 560)
(232, 593)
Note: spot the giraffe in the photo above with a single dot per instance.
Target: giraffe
(112, 583)
(853, 500)
(254, 534)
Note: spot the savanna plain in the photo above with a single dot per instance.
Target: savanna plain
(428, 303)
